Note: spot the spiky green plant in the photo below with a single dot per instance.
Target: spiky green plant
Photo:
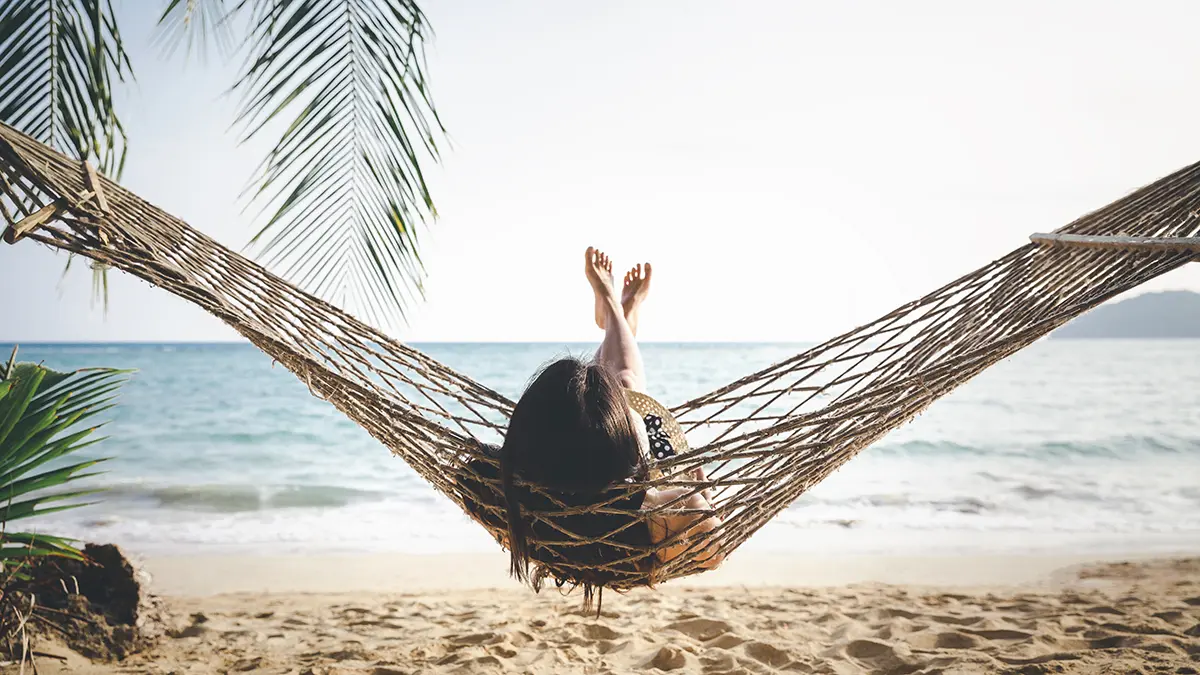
(46, 416)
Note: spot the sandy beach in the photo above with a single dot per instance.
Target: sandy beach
(388, 614)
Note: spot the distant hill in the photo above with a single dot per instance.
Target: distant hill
(1168, 314)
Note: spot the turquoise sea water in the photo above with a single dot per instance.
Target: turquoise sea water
(1071, 446)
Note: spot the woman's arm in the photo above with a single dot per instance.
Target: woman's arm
(665, 524)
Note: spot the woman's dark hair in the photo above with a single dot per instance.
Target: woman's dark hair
(569, 433)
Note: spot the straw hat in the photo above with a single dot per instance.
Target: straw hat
(666, 436)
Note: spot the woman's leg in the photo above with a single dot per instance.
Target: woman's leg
(619, 350)
(633, 293)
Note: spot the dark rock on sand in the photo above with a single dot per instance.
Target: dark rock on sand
(97, 606)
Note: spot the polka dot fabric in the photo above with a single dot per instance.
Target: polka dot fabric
(666, 437)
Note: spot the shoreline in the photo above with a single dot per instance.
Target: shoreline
(209, 575)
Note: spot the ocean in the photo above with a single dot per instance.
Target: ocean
(1071, 447)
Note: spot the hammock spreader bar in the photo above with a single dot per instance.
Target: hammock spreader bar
(1190, 244)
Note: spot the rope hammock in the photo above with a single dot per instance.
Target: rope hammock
(763, 440)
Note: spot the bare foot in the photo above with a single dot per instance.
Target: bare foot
(637, 287)
(597, 266)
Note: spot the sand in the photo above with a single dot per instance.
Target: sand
(1141, 616)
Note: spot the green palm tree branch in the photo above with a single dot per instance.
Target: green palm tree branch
(36, 507)
(59, 448)
(26, 538)
(28, 551)
(49, 479)
(36, 448)
(20, 546)
(342, 86)
(45, 416)
(60, 60)
(16, 401)
(195, 25)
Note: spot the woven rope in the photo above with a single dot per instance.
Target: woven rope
(763, 440)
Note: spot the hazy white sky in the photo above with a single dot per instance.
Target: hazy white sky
(792, 168)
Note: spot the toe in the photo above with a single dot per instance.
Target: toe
(646, 271)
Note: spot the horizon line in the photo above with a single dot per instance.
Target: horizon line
(414, 342)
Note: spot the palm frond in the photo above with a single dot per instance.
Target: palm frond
(45, 416)
(342, 191)
(59, 60)
(195, 25)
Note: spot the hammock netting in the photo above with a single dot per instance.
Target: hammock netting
(763, 440)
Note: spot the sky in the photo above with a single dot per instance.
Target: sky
(791, 168)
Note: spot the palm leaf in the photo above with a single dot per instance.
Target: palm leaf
(195, 24)
(342, 191)
(42, 416)
(24, 545)
(59, 60)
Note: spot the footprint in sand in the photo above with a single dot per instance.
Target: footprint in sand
(895, 612)
(899, 630)
(598, 631)
(612, 646)
(721, 663)
(831, 617)
(1117, 642)
(768, 654)
(1000, 634)
(1171, 616)
(701, 629)
(475, 639)
(667, 658)
(245, 665)
(867, 649)
(955, 640)
(348, 654)
(504, 651)
(957, 620)
(1104, 609)
(725, 641)
(520, 638)
(1038, 660)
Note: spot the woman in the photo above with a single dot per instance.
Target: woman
(575, 435)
